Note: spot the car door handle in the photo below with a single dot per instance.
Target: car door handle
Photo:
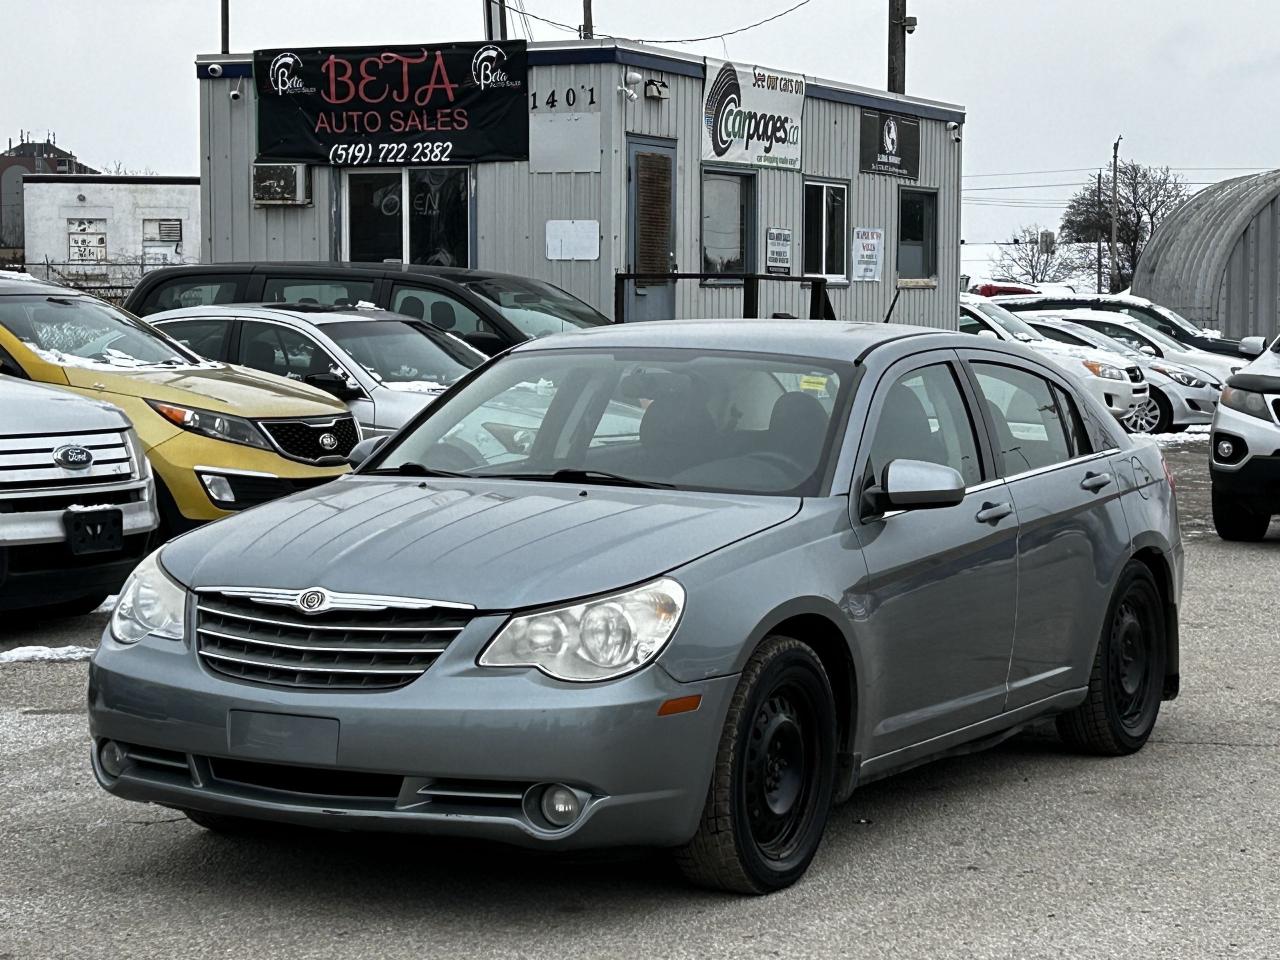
(992, 512)
(1095, 481)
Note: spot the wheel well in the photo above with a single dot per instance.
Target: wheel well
(1156, 562)
(829, 644)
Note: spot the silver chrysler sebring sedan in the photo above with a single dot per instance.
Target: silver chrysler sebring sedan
(731, 571)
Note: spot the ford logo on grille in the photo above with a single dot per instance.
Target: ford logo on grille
(328, 441)
(73, 457)
(313, 600)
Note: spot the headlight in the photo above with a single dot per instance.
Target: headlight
(1178, 376)
(596, 640)
(1104, 370)
(150, 605)
(219, 426)
(1246, 401)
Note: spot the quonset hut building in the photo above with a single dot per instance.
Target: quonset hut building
(574, 162)
(1216, 258)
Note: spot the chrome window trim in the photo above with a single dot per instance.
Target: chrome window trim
(1075, 461)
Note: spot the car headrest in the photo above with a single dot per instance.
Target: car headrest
(442, 315)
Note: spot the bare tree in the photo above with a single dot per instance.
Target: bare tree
(118, 168)
(1023, 259)
(1146, 195)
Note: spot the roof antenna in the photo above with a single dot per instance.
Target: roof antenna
(896, 295)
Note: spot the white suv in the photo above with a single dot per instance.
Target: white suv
(1244, 459)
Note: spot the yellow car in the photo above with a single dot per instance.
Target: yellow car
(219, 438)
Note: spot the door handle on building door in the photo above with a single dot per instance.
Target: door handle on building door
(1095, 481)
(992, 512)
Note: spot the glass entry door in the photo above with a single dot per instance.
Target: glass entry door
(433, 227)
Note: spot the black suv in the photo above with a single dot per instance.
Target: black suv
(491, 311)
(1152, 314)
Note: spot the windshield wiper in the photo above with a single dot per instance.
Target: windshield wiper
(577, 475)
(412, 469)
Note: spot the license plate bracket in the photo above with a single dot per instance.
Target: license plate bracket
(94, 531)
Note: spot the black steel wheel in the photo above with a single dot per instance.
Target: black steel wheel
(1127, 680)
(771, 789)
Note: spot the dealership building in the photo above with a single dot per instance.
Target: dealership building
(575, 162)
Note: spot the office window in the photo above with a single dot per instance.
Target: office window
(726, 222)
(825, 230)
(917, 235)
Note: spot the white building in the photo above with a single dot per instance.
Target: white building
(100, 226)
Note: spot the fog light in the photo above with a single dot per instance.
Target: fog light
(113, 758)
(219, 488)
(1225, 449)
(560, 805)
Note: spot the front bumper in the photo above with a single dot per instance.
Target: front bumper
(1252, 473)
(461, 750)
(1120, 397)
(26, 520)
(1191, 406)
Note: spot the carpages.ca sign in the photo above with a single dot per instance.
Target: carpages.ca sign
(751, 117)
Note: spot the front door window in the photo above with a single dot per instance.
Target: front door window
(433, 226)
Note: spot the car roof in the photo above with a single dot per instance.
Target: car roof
(303, 267)
(826, 339)
(306, 313)
(1082, 313)
(37, 288)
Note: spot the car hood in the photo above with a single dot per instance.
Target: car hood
(498, 545)
(1217, 365)
(1065, 352)
(223, 389)
(36, 408)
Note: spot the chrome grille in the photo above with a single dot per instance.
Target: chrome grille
(27, 462)
(355, 642)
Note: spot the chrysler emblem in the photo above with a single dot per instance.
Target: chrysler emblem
(314, 600)
(328, 441)
(73, 457)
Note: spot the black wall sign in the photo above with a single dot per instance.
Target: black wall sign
(380, 106)
(890, 144)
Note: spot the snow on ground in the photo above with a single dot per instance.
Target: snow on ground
(45, 654)
(1190, 435)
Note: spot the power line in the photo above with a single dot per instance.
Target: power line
(714, 36)
(1026, 186)
(1032, 173)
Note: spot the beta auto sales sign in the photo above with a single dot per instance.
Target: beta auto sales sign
(751, 116)
(381, 106)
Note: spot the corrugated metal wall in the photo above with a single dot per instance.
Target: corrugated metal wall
(233, 228)
(512, 205)
(1249, 300)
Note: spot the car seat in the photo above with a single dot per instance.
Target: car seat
(904, 432)
(442, 315)
(674, 433)
(797, 428)
(260, 355)
(412, 306)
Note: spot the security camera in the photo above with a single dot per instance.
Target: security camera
(235, 95)
(631, 95)
(632, 79)
(215, 69)
(953, 128)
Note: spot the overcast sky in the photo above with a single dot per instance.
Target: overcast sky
(1047, 83)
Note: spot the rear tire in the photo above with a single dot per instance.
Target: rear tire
(1127, 680)
(774, 775)
(1234, 521)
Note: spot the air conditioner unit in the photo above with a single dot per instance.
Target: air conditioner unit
(281, 184)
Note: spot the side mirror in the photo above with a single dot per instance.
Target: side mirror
(334, 384)
(1148, 349)
(988, 333)
(914, 485)
(363, 450)
(486, 342)
(1253, 346)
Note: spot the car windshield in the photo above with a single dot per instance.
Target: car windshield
(1163, 339)
(404, 355)
(742, 423)
(537, 309)
(1009, 322)
(80, 332)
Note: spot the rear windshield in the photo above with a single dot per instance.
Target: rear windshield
(535, 308)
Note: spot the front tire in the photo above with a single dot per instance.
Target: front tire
(1153, 415)
(774, 775)
(1234, 521)
(1127, 680)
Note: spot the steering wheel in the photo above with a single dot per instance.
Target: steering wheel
(780, 460)
(456, 455)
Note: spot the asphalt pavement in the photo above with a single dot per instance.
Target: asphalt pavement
(1025, 851)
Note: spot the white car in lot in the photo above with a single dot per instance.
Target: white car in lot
(1180, 396)
(1120, 386)
(1244, 458)
(1152, 342)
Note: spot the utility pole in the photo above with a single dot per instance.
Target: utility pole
(495, 19)
(1098, 285)
(898, 46)
(588, 29)
(1115, 212)
(226, 27)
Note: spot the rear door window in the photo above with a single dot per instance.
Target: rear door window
(1030, 427)
(330, 292)
(207, 336)
(182, 292)
(439, 309)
